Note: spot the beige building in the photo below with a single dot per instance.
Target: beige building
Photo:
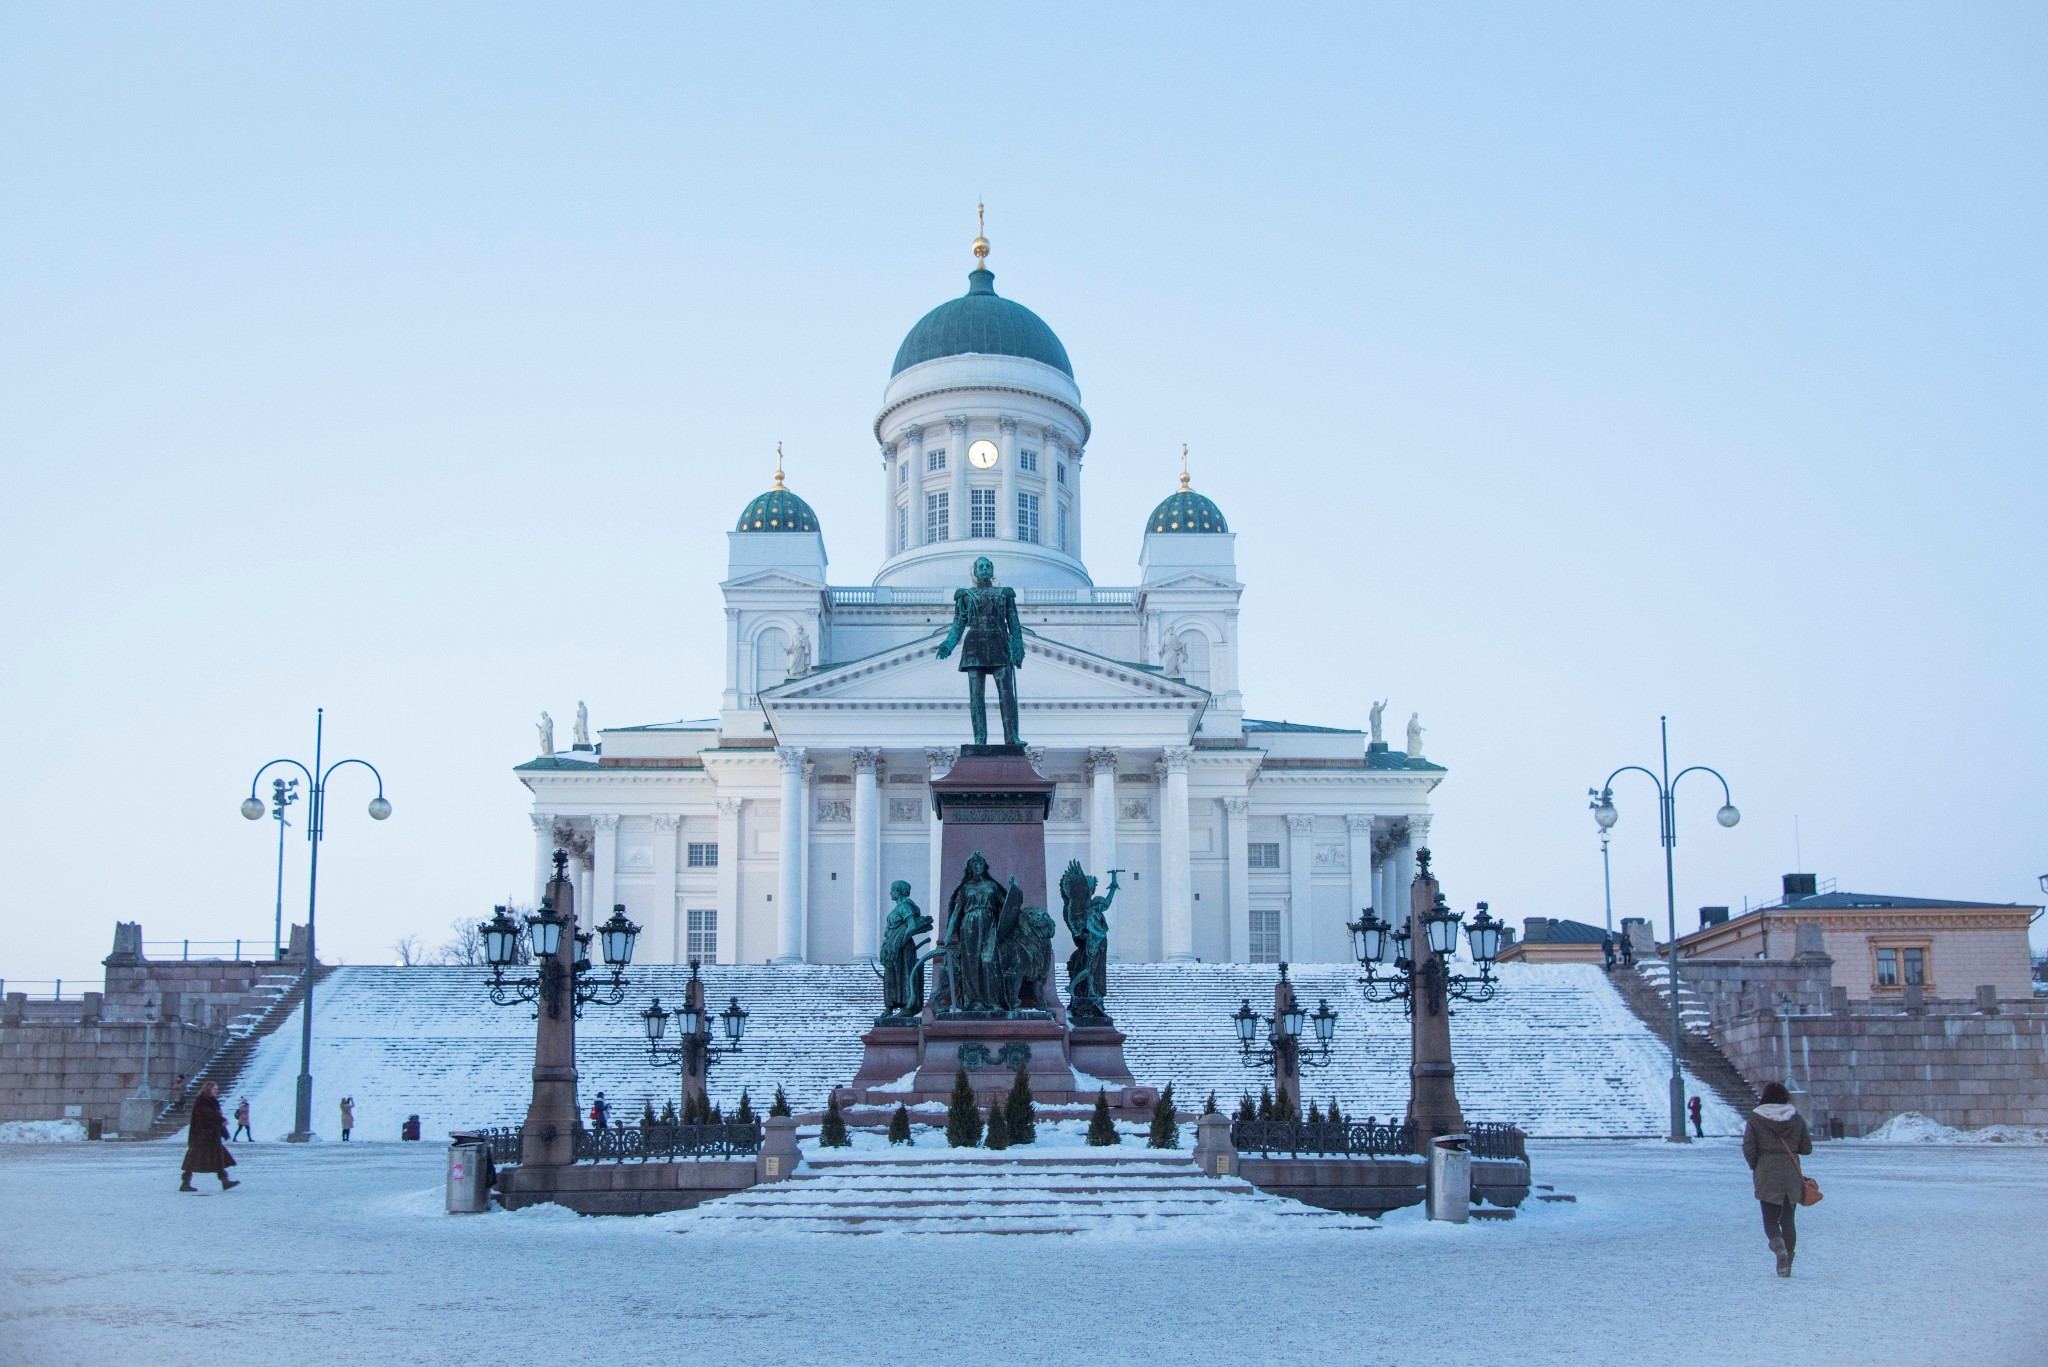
(1553, 940)
(1881, 945)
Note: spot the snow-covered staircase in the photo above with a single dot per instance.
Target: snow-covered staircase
(1062, 1193)
(1648, 993)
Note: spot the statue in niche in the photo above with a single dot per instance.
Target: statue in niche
(902, 960)
(547, 735)
(991, 640)
(1087, 918)
(1379, 710)
(1173, 658)
(1415, 735)
(799, 654)
(998, 951)
(580, 737)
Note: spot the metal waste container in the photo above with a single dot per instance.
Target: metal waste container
(1450, 1178)
(469, 1175)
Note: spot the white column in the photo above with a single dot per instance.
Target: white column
(1177, 913)
(888, 500)
(1359, 828)
(807, 810)
(867, 855)
(1102, 812)
(666, 919)
(543, 853)
(1237, 816)
(789, 902)
(737, 675)
(956, 473)
(910, 449)
(604, 869)
(1073, 459)
(938, 763)
(730, 919)
(1006, 471)
(1301, 859)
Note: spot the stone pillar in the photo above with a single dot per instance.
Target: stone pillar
(1237, 818)
(806, 812)
(547, 1138)
(789, 926)
(663, 907)
(889, 496)
(737, 674)
(543, 853)
(728, 882)
(1432, 1079)
(956, 474)
(1359, 828)
(1102, 812)
(938, 763)
(910, 449)
(1177, 913)
(867, 855)
(1006, 469)
(1301, 863)
(604, 869)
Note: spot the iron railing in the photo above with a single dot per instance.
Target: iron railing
(504, 1145)
(207, 949)
(1496, 1139)
(1348, 1138)
(617, 1143)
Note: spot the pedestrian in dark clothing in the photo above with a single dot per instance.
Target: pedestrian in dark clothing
(206, 1149)
(242, 1130)
(1628, 952)
(1698, 1132)
(348, 1116)
(1771, 1144)
(1607, 949)
(599, 1113)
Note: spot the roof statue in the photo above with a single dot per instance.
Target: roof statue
(1378, 711)
(547, 735)
(1415, 735)
(580, 737)
(799, 654)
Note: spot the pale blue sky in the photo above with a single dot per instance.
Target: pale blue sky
(1582, 362)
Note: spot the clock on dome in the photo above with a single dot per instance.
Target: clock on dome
(982, 454)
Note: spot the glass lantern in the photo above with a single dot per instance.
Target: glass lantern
(734, 1019)
(1326, 1023)
(1485, 935)
(1247, 1022)
(500, 935)
(544, 929)
(656, 1021)
(616, 936)
(1441, 926)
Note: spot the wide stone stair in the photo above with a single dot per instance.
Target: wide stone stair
(1050, 1194)
(1647, 992)
(268, 1004)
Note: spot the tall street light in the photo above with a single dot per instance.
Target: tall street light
(282, 795)
(1667, 817)
(1606, 872)
(316, 821)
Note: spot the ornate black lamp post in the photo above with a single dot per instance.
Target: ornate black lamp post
(1667, 821)
(1373, 941)
(551, 976)
(693, 1048)
(1282, 1049)
(316, 827)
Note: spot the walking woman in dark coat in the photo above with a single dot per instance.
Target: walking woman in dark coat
(206, 1147)
(1771, 1144)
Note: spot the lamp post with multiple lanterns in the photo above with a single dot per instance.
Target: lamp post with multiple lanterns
(1282, 1050)
(316, 823)
(693, 1048)
(1667, 822)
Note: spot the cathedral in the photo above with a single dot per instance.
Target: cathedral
(771, 832)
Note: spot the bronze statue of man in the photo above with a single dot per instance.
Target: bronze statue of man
(991, 641)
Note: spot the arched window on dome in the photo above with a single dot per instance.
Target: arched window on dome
(771, 658)
(1196, 669)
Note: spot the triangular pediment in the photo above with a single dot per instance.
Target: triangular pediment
(773, 580)
(1193, 580)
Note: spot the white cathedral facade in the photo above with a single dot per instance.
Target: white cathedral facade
(772, 832)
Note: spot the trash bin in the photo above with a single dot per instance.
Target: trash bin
(1450, 1178)
(469, 1176)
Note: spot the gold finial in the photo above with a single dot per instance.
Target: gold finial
(778, 465)
(980, 237)
(1183, 465)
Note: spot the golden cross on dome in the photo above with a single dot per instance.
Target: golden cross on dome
(1183, 465)
(778, 465)
(980, 237)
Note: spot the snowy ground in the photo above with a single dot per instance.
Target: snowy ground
(1921, 1253)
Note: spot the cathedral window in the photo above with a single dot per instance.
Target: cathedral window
(937, 518)
(981, 512)
(1059, 471)
(1262, 854)
(703, 937)
(902, 527)
(1265, 936)
(903, 472)
(1027, 518)
(1063, 527)
(703, 854)
(1028, 461)
(935, 459)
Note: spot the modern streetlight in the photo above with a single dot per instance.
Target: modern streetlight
(1282, 1049)
(1606, 871)
(316, 821)
(282, 795)
(1667, 819)
(693, 1048)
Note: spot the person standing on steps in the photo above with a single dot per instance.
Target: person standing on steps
(599, 1113)
(1771, 1144)
(348, 1116)
(242, 1130)
(1607, 950)
(1698, 1132)
(205, 1146)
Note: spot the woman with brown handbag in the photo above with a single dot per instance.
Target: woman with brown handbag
(1771, 1144)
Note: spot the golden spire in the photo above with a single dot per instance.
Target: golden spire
(778, 465)
(1183, 466)
(980, 238)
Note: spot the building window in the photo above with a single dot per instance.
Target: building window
(1265, 936)
(1027, 518)
(1028, 460)
(981, 512)
(937, 518)
(1916, 967)
(1263, 854)
(703, 937)
(1059, 471)
(1887, 968)
(703, 854)
(902, 527)
(1063, 526)
(935, 459)
(903, 472)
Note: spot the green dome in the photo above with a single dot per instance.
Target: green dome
(1186, 511)
(778, 510)
(981, 321)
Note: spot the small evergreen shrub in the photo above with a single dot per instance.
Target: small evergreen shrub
(1165, 1124)
(647, 1120)
(963, 1117)
(1101, 1129)
(780, 1106)
(832, 1134)
(998, 1127)
(1333, 1115)
(1209, 1106)
(745, 1114)
(668, 1113)
(899, 1126)
(1247, 1109)
(1021, 1111)
(1315, 1114)
(1266, 1109)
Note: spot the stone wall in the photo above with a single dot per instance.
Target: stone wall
(1963, 1066)
(47, 1067)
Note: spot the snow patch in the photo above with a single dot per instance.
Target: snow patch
(41, 1131)
(1911, 1127)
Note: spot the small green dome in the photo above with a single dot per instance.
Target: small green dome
(1186, 511)
(981, 321)
(778, 510)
